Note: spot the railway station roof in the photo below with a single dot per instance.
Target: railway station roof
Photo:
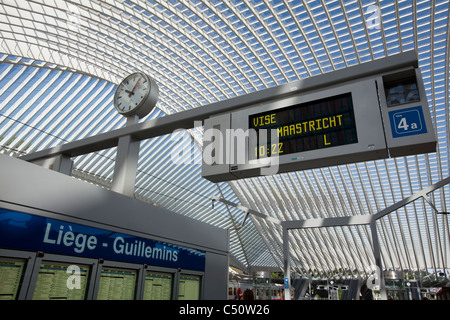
(61, 61)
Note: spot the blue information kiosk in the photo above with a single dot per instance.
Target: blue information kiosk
(65, 239)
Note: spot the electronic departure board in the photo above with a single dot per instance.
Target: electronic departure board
(189, 287)
(323, 123)
(371, 111)
(11, 272)
(52, 279)
(158, 286)
(117, 284)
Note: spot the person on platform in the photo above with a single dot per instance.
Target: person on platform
(248, 295)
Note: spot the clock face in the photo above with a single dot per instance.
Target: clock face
(132, 93)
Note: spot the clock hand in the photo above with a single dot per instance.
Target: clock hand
(132, 91)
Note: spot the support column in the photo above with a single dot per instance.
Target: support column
(377, 256)
(287, 264)
(125, 167)
(127, 157)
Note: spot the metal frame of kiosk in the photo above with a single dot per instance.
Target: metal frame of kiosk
(188, 273)
(29, 260)
(162, 271)
(43, 259)
(116, 267)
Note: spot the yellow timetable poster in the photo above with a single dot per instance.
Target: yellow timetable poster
(10, 276)
(158, 286)
(54, 283)
(117, 284)
(189, 288)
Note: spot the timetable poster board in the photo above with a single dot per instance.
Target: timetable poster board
(54, 282)
(158, 286)
(117, 284)
(11, 272)
(189, 287)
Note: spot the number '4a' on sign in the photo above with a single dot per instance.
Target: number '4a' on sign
(405, 126)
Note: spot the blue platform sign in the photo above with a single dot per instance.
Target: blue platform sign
(24, 231)
(286, 283)
(407, 122)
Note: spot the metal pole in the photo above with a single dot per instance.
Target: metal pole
(377, 256)
(125, 167)
(287, 266)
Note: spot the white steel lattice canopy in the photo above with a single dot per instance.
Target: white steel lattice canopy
(62, 60)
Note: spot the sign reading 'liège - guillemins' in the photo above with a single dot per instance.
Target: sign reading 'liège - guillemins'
(35, 233)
